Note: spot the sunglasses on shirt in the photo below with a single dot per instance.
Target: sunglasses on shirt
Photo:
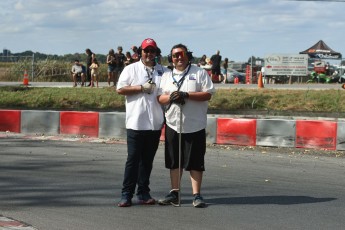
(178, 54)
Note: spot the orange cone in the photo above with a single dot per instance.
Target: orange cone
(236, 80)
(260, 82)
(26, 78)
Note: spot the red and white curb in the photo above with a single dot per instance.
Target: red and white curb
(11, 224)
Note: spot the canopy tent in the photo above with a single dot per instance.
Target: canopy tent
(322, 51)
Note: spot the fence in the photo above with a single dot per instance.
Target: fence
(12, 67)
(49, 69)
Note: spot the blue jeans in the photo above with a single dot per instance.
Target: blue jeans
(142, 146)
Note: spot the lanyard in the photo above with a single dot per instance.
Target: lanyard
(150, 73)
(180, 82)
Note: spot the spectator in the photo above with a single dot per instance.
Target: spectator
(94, 72)
(78, 71)
(144, 121)
(111, 62)
(216, 60)
(224, 69)
(129, 59)
(88, 64)
(185, 92)
(158, 58)
(120, 63)
(202, 61)
(135, 55)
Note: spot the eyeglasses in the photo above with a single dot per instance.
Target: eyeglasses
(152, 51)
(178, 54)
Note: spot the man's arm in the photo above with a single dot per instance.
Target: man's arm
(129, 90)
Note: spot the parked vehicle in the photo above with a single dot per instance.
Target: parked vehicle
(322, 78)
(339, 74)
(232, 74)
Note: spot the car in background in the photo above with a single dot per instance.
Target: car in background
(339, 74)
(232, 74)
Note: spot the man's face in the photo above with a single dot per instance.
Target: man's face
(148, 54)
(179, 58)
(77, 63)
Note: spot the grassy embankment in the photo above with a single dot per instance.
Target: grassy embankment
(329, 103)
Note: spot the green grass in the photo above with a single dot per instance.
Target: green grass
(80, 99)
(234, 101)
(280, 101)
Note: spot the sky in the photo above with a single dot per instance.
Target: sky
(239, 29)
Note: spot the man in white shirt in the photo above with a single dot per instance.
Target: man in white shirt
(144, 121)
(78, 71)
(186, 90)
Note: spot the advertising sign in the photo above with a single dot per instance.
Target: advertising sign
(286, 64)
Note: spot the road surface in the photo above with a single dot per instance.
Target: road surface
(75, 184)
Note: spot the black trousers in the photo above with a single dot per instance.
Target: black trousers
(142, 146)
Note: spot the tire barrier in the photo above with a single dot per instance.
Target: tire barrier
(316, 134)
(272, 132)
(79, 123)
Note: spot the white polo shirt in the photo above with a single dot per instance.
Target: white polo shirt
(143, 112)
(194, 113)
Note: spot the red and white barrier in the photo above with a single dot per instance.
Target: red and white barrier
(317, 134)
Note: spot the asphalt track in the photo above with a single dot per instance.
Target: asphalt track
(74, 184)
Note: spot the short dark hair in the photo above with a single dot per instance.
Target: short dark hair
(179, 46)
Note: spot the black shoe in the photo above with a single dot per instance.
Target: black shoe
(171, 198)
(126, 200)
(198, 201)
(145, 198)
(89, 85)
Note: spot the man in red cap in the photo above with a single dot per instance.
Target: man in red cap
(144, 121)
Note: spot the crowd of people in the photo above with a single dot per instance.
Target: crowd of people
(215, 67)
(116, 61)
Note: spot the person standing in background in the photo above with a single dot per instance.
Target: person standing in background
(135, 55)
(88, 64)
(111, 62)
(216, 59)
(129, 59)
(224, 69)
(120, 59)
(94, 72)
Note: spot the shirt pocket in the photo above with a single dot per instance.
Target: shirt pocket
(192, 84)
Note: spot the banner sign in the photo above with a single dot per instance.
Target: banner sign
(286, 64)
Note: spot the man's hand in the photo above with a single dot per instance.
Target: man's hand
(178, 97)
(148, 87)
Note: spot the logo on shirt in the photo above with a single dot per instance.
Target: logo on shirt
(192, 77)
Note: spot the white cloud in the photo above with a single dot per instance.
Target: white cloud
(238, 28)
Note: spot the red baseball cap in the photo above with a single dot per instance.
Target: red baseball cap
(148, 42)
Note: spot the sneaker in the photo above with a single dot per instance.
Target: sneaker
(198, 201)
(171, 198)
(126, 200)
(145, 198)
